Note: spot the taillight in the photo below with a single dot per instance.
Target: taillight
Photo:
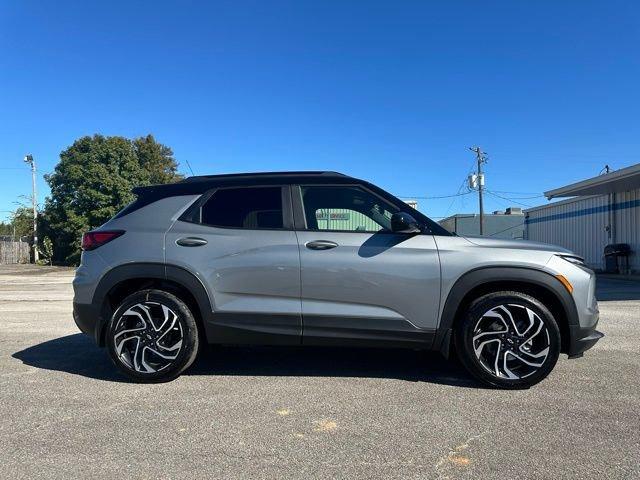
(95, 239)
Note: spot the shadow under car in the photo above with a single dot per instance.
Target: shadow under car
(78, 355)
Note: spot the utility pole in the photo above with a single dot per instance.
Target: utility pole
(34, 200)
(480, 156)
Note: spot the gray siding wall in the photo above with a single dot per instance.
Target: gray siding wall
(580, 224)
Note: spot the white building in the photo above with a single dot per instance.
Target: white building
(602, 210)
(412, 203)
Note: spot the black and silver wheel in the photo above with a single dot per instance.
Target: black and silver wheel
(508, 339)
(152, 336)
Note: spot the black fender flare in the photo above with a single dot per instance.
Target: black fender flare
(155, 271)
(482, 275)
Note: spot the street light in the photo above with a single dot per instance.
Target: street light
(29, 159)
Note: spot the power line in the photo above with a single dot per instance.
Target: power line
(455, 198)
(464, 181)
(417, 197)
(506, 229)
(523, 198)
(508, 199)
(519, 193)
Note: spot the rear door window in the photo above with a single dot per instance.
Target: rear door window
(250, 208)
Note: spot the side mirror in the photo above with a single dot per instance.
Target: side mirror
(402, 222)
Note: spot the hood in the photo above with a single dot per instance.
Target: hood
(517, 244)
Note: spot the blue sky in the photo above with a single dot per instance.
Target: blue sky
(393, 92)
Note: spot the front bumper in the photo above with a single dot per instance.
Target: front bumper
(583, 336)
(581, 330)
(87, 319)
(582, 339)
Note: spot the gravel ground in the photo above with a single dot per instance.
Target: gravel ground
(314, 413)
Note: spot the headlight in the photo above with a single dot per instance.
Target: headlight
(573, 259)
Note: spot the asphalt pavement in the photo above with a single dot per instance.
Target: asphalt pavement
(305, 413)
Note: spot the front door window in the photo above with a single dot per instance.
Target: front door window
(345, 209)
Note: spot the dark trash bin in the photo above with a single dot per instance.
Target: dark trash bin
(614, 251)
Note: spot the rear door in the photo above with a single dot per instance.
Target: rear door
(240, 243)
(360, 281)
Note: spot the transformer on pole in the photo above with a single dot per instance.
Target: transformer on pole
(477, 181)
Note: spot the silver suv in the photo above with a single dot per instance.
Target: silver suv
(320, 258)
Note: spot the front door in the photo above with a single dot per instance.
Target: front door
(360, 281)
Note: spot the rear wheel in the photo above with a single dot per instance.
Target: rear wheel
(508, 340)
(152, 336)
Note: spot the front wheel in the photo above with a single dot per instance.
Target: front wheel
(152, 336)
(508, 340)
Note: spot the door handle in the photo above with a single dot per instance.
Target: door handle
(321, 245)
(191, 242)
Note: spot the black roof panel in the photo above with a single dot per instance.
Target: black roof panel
(200, 184)
(248, 176)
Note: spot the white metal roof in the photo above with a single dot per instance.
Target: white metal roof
(560, 202)
(619, 181)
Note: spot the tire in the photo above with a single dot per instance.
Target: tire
(504, 353)
(154, 353)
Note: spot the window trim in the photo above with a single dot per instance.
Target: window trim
(300, 220)
(194, 213)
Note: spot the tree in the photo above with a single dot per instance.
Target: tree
(20, 223)
(22, 220)
(93, 181)
(47, 249)
(157, 159)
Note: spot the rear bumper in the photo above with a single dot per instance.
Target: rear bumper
(87, 319)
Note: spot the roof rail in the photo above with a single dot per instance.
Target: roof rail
(198, 178)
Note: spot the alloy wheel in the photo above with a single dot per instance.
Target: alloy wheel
(511, 341)
(148, 337)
